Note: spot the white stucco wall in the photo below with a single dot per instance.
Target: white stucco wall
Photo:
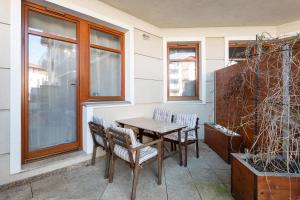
(289, 28)
(4, 85)
(148, 77)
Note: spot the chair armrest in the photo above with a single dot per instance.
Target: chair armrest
(187, 131)
(191, 129)
(147, 144)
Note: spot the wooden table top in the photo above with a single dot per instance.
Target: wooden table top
(149, 124)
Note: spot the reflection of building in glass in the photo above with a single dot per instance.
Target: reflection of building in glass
(182, 78)
(52, 92)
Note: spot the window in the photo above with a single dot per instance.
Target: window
(183, 71)
(106, 78)
(241, 50)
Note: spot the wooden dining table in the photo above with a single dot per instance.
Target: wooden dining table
(159, 128)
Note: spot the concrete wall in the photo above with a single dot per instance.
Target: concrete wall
(4, 77)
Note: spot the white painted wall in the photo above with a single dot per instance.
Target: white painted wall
(286, 29)
(4, 85)
(147, 76)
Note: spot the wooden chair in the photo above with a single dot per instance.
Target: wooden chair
(187, 136)
(123, 145)
(99, 140)
(159, 114)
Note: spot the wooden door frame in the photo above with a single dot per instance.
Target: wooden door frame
(83, 63)
(26, 155)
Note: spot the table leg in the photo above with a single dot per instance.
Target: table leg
(179, 150)
(141, 135)
(163, 149)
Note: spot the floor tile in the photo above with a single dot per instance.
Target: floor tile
(180, 184)
(81, 183)
(17, 193)
(205, 178)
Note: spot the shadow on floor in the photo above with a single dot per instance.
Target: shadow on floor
(206, 178)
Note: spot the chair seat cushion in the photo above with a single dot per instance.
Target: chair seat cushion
(146, 153)
(174, 136)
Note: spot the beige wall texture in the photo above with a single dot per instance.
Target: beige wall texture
(149, 85)
(4, 86)
(4, 76)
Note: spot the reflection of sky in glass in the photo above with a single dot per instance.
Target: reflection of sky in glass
(182, 53)
(36, 50)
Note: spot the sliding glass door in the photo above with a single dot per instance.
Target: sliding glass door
(51, 84)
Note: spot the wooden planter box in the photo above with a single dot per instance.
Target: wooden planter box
(222, 143)
(249, 184)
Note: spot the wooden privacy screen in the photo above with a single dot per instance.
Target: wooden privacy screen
(235, 93)
(229, 110)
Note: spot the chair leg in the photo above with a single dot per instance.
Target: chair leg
(141, 135)
(111, 168)
(94, 155)
(185, 154)
(180, 153)
(107, 164)
(197, 148)
(159, 166)
(172, 146)
(179, 150)
(135, 181)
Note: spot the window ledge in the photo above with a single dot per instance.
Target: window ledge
(103, 104)
(186, 102)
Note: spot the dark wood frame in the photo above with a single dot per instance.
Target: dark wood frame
(99, 130)
(196, 60)
(82, 41)
(185, 143)
(123, 140)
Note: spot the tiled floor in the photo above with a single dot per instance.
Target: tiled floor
(206, 178)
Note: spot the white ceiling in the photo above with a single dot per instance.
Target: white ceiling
(210, 13)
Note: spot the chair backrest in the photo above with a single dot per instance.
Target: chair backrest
(162, 115)
(189, 120)
(98, 134)
(122, 137)
(125, 132)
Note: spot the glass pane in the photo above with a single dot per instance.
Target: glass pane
(237, 52)
(51, 92)
(48, 24)
(183, 53)
(182, 79)
(105, 73)
(105, 39)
